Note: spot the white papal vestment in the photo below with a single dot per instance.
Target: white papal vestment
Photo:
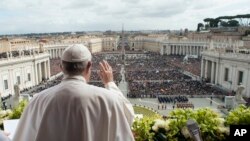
(76, 111)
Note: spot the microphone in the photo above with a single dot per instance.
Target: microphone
(194, 130)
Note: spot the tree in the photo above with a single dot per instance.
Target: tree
(224, 24)
(212, 22)
(233, 23)
(207, 21)
(199, 26)
(206, 26)
(243, 19)
(186, 31)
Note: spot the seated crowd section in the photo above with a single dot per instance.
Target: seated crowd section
(152, 75)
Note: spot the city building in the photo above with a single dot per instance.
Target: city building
(24, 70)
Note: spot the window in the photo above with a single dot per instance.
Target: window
(29, 79)
(5, 84)
(226, 74)
(18, 80)
(240, 77)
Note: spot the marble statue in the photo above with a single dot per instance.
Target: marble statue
(238, 96)
(15, 98)
(41, 48)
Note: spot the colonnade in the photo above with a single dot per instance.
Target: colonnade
(42, 71)
(210, 70)
(55, 52)
(186, 50)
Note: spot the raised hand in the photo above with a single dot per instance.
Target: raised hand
(105, 72)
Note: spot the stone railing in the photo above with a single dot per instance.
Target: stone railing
(18, 58)
(238, 56)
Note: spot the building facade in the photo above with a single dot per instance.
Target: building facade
(180, 45)
(26, 71)
(228, 70)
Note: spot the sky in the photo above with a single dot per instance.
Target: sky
(40, 16)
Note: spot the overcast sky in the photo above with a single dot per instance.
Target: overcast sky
(26, 16)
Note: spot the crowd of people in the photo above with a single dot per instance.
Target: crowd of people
(148, 74)
(55, 66)
(151, 75)
(141, 70)
(115, 61)
(171, 74)
(192, 65)
(42, 86)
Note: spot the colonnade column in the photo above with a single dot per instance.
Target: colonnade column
(183, 50)
(202, 68)
(11, 82)
(206, 65)
(36, 73)
(60, 52)
(48, 64)
(40, 72)
(45, 69)
(54, 53)
(212, 73)
(216, 72)
(198, 51)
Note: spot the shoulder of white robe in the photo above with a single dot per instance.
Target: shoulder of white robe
(128, 108)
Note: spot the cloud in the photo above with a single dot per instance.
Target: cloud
(63, 15)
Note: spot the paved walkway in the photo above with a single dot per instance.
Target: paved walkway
(198, 103)
(123, 85)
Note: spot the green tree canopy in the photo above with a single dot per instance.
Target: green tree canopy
(199, 26)
(231, 21)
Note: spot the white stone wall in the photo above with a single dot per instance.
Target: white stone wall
(21, 66)
(235, 63)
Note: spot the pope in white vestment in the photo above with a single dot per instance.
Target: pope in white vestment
(76, 111)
